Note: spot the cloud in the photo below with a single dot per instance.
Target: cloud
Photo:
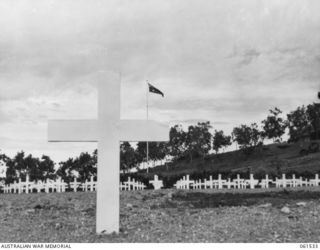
(225, 61)
(186, 41)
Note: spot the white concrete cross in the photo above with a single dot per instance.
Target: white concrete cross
(38, 186)
(294, 182)
(88, 185)
(20, 186)
(205, 183)
(220, 182)
(130, 183)
(6, 189)
(49, 184)
(315, 181)
(240, 182)
(304, 182)
(108, 131)
(61, 185)
(75, 184)
(210, 182)
(157, 184)
(252, 182)
(188, 182)
(284, 181)
(27, 183)
(265, 182)
(197, 184)
(229, 183)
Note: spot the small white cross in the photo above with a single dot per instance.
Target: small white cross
(157, 184)
(252, 182)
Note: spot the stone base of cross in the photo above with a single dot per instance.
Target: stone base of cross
(108, 131)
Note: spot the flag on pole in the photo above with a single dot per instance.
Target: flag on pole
(154, 90)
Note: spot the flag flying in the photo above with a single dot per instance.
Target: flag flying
(154, 90)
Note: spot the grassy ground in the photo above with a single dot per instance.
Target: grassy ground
(272, 158)
(166, 216)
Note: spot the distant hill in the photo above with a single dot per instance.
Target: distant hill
(267, 159)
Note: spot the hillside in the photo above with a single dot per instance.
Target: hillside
(271, 159)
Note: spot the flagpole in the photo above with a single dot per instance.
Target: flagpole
(147, 120)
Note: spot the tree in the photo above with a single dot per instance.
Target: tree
(21, 166)
(85, 166)
(3, 160)
(298, 123)
(11, 174)
(198, 139)
(313, 115)
(256, 135)
(141, 152)
(177, 143)
(247, 137)
(274, 126)
(156, 151)
(32, 168)
(65, 170)
(128, 158)
(220, 140)
(162, 151)
(46, 168)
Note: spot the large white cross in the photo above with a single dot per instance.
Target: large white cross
(108, 131)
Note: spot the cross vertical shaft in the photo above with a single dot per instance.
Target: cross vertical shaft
(147, 145)
(108, 208)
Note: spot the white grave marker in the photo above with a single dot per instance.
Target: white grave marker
(108, 131)
(315, 181)
(157, 184)
(220, 182)
(252, 182)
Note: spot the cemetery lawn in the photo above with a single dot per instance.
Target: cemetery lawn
(166, 216)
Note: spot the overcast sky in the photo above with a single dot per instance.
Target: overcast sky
(220, 60)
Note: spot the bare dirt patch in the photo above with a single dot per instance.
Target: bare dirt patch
(166, 216)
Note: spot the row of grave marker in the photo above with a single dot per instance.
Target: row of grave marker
(184, 183)
(238, 183)
(48, 186)
(60, 186)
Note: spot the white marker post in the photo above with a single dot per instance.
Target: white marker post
(108, 131)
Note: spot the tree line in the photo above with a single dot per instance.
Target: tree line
(194, 142)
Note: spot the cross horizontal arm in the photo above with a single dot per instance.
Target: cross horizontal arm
(143, 130)
(73, 131)
(88, 131)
